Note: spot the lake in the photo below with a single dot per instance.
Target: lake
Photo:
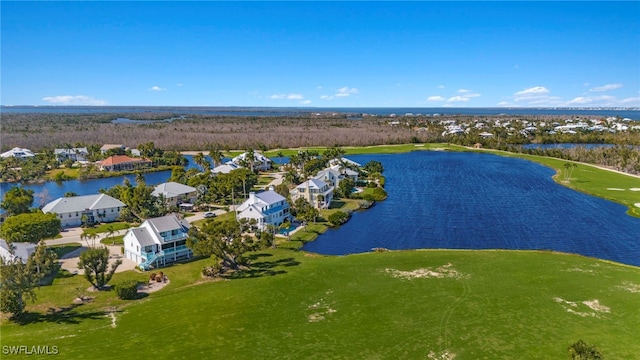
(482, 201)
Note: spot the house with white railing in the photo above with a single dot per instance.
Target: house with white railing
(317, 192)
(267, 208)
(158, 242)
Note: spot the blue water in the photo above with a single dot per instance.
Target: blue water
(482, 201)
(52, 190)
(293, 111)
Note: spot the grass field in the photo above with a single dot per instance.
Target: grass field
(474, 304)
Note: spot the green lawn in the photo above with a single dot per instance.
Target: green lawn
(64, 249)
(103, 228)
(486, 305)
(116, 240)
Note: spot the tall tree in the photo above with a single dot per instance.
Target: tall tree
(223, 239)
(216, 155)
(17, 284)
(17, 201)
(31, 227)
(95, 263)
(43, 261)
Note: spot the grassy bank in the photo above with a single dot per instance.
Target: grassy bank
(475, 304)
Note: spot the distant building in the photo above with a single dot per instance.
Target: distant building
(107, 147)
(175, 193)
(225, 168)
(75, 154)
(261, 162)
(19, 153)
(123, 162)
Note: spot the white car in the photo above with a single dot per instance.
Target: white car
(209, 214)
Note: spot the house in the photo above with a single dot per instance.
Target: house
(260, 162)
(330, 176)
(317, 192)
(96, 208)
(75, 154)
(21, 250)
(345, 171)
(123, 162)
(107, 147)
(344, 160)
(175, 193)
(225, 168)
(267, 208)
(17, 152)
(158, 242)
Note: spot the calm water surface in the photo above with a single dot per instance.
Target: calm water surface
(482, 201)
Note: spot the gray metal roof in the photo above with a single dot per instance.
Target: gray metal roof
(21, 250)
(79, 203)
(313, 184)
(270, 197)
(143, 236)
(172, 189)
(168, 223)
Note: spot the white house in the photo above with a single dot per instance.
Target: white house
(317, 192)
(260, 162)
(157, 242)
(225, 168)
(107, 147)
(21, 250)
(267, 208)
(75, 154)
(17, 152)
(175, 193)
(97, 208)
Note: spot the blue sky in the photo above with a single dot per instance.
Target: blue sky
(321, 54)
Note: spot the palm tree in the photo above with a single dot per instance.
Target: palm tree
(216, 155)
(583, 351)
(110, 232)
(199, 160)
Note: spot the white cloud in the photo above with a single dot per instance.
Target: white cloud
(305, 102)
(457, 99)
(600, 100)
(74, 100)
(606, 87)
(156, 88)
(440, 86)
(635, 101)
(291, 96)
(463, 91)
(342, 92)
(504, 103)
(536, 90)
(436, 98)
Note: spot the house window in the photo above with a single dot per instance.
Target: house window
(69, 215)
(111, 209)
(76, 214)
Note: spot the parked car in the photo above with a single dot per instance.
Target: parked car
(209, 214)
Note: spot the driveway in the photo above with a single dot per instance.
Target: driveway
(69, 261)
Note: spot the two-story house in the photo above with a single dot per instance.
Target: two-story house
(158, 242)
(267, 208)
(317, 192)
(260, 162)
(175, 193)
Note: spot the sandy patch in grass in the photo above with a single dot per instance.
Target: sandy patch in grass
(320, 310)
(630, 287)
(595, 308)
(635, 189)
(637, 204)
(441, 355)
(580, 270)
(595, 305)
(444, 271)
(616, 189)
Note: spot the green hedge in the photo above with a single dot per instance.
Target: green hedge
(127, 290)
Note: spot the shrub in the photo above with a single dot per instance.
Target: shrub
(338, 218)
(127, 290)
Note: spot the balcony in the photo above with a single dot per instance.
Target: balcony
(176, 237)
